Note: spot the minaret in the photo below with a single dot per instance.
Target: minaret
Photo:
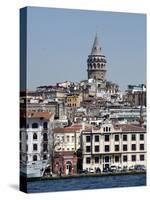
(96, 63)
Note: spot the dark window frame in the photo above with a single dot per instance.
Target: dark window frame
(88, 138)
(107, 148)
(96, 148)
(117, 147)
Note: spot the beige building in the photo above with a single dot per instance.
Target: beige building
(73, 100)
(119, 145)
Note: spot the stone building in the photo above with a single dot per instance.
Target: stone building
(122, 145)
(35, 142)
(96, 63)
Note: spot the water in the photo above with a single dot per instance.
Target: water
(86, 183)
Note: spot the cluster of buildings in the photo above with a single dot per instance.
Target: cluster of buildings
(70, 127)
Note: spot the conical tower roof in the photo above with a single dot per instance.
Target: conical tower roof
(96, 49)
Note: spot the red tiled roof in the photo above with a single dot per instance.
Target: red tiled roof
(130, 127)
(71, 129)
(30, 114)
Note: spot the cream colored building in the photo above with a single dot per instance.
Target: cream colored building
(121, 145)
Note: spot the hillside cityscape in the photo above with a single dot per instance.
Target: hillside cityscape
(87, 127)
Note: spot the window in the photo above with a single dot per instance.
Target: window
(34, 136)
(116, 147)
(106, 148)
(133, 157)
(63, 138)
(96, 159)
(106, 138)
(44, 157)
(124, 137)
(141, 146)
(116, 137)
(106, 129)
(45, 125)
(96, 138)
(35, 158)
(133, 147)
(72, 138)
(125, 147)
(88, 138)
(45, 138)
(97, 148)
(125, 158)
(133, 137)
(88, 160)
(142, 157)
(141, 136)
(68, 138)
(116, 158)
(34, 147)
(106, 159)
(35, 125)
(88, 149)
(26, 136)
(45, 147)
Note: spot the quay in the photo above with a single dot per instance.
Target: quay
(83, 176)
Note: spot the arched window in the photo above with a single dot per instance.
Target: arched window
(45, 137)
(44, 157)
(34, 136)
(45, 125)
(98, 65)
(94, 65)
(35, 125)
(35, 158)
(34, 147)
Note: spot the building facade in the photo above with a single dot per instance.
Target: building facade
(35, 143)
(67, 142)
(119, 145)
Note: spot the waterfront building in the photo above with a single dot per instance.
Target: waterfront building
(35, 142)
(122, 145)
(67, 143)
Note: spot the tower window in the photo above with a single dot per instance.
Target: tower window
(98, 65)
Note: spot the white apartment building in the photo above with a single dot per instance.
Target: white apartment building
(35, 143)
(68, 138)
(121, 145)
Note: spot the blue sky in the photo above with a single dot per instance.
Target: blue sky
(60, 40)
